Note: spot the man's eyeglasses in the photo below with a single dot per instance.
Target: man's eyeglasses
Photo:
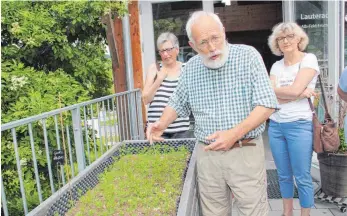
(214, 40)
(166, 50)
(289, 37)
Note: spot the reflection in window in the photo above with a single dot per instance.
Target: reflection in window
(173, 17)
(312, 16)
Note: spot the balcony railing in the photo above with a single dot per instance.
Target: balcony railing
(65, 141)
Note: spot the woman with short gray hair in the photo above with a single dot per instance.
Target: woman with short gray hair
(292, 27)
(161, 81)
(290, 131)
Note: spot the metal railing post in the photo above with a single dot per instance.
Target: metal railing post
(59, 148)
(133, 112)
(3, 198)
(139, 115)
(70, 151)
(37, 177)
(77, 131)
(19, 170)
(86, 133)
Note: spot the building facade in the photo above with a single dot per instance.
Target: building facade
(250, 22)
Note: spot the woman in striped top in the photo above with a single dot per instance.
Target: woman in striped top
(160, 84)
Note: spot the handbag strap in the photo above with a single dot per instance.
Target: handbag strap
(323, 96)
(327, 115)
(322, 89)
(309, 99)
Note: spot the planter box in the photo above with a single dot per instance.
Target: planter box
(60, 201)
(333, 172)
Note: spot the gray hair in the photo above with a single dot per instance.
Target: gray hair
(283, 27)
(195, 17)
(165, 37)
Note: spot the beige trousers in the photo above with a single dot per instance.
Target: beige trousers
(240, 171)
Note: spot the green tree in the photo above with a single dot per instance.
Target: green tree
(60, 35)
(49, 50)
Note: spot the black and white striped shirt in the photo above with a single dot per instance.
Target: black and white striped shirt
(160, 101)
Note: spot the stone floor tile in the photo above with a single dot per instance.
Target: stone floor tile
(321, 212)
(323, 205)
(276, 204)
(337, 212)
(275, 213)
(314, 212)
(270, 165)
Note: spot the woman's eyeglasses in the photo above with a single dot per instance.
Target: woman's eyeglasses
(289, 37)
(166, 50)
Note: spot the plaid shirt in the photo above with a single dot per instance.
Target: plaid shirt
(222, 98)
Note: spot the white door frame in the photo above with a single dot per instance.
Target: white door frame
(334, 60)
(288, 11)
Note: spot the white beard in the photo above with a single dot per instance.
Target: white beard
(214, 64)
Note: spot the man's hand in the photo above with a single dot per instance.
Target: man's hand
(223, 140)
(154, 132)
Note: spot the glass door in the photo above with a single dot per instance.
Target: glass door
(320, 20)
(172, 17)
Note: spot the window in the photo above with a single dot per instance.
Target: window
(312, 16)
(173, 17)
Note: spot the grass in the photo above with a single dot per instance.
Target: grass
(93, 156)
(148, 183)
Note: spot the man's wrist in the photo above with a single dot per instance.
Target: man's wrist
(237, 131)
(162, 124)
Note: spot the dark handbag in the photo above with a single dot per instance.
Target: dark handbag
(325, 135)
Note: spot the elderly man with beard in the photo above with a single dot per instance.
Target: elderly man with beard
(228, 90)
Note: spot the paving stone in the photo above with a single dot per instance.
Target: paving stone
(324, 205)
(270, 165)
(337, 212)
(314, 212)
(321, 212)
(276, 204)
(275, 213)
